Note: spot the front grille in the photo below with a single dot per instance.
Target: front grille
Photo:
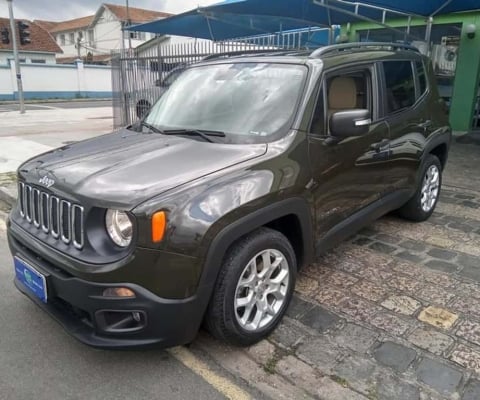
(53, 215)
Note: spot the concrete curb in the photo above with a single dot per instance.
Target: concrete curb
(5, 102)
(8, 195)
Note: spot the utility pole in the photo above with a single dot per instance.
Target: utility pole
(129, 22)
(15, 55)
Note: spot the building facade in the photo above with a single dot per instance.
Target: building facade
(42, 48)
(94, 37)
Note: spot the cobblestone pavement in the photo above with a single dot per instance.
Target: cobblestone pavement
(393, 313)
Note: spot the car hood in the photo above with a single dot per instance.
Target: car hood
(126, 168)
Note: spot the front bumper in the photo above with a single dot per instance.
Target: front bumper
(79, 306)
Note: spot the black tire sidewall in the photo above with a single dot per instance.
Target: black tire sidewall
(251, 246)
(413, 209)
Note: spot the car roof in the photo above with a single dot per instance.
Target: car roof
(334, 55)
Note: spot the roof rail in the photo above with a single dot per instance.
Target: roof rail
(241, 53)
(259, 52)
(361, 45)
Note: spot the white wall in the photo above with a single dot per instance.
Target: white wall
(28, 56)
(108, 33)
(57, 81)
(107, 37)
(5, 81)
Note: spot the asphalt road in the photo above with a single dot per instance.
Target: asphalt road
(40, 361)
(4, 107)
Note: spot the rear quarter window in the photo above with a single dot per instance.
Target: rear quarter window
(400, 85)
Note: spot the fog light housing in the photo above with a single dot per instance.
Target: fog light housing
(119, 292)
(121, 321)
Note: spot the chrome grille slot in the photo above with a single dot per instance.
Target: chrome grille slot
(36, 207)
(54, 216)
(21, 198)
(44, 212)
(65, 221)
(77, 226)
(28, 203)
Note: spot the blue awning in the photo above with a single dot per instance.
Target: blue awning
(203, 23)
(241, 18)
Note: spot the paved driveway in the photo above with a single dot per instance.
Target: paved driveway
(392, 313)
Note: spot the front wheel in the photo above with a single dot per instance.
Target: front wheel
(253, 289)
(421, 206)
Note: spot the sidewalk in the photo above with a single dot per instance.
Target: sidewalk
(25, 135)
(391, 314)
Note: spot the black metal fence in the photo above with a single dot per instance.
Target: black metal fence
(140, 76)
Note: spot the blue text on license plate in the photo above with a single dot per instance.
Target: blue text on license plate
(31, 278)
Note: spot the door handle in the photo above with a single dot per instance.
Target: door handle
(426, 124)
(379, 145)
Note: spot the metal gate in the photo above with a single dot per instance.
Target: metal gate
(141, 75)
(476, 114)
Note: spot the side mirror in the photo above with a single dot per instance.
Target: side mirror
(348, 123)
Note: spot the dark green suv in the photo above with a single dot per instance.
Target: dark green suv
(205, 210)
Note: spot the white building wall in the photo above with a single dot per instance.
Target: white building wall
(28, 56)
(57, 81)
(69, 49)
(107, 37)
(108, 33)
(5, 81)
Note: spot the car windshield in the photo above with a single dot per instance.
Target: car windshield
(249, 102)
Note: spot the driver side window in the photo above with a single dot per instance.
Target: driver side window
(341, 91)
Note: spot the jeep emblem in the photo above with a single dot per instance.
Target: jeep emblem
(46, 181)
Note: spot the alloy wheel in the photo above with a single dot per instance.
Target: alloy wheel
(261, 290)
(430, 188)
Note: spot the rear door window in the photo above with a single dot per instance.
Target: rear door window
(400, 85)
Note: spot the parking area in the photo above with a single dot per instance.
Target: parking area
(392, 313)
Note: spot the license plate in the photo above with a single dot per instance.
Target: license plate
(31, 278)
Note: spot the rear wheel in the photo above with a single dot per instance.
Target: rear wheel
(421, 206)
(254, 288)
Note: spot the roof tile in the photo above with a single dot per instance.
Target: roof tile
(41, 40)
(137, 15)
(72, 24)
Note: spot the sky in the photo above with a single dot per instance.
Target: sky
(58, 10)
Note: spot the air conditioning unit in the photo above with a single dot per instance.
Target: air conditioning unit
(444, 56)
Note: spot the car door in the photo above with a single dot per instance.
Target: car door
(406, 111)
(347, 175)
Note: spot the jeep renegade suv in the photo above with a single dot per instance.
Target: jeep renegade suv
(205, 210)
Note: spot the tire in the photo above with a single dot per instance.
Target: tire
(142, 107)
(421, 206)
(225, 318)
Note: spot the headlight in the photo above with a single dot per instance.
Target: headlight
(119, 227)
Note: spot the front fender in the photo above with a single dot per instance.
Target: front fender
(230, 233)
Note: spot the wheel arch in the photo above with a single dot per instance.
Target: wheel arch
(441, 152)
(438, 145)
(279, 216)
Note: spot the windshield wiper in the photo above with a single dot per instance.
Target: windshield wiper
(199, 132)
(150, 127)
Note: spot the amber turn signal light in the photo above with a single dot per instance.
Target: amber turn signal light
(159, 224)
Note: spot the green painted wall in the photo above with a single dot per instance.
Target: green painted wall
(466, 78)
(467, 74)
